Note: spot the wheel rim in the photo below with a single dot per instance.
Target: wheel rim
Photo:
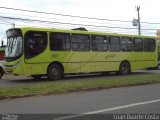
(124, 68)
(55, 72)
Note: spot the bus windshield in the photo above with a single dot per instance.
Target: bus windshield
(14, 47)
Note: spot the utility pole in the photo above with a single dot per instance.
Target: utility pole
(139, 24)
(13, 25)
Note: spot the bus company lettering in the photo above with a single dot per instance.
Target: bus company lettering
(110, 56)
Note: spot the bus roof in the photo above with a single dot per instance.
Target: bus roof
(82, 32)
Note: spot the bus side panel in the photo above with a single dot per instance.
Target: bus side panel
(72, 67)
(141, 60)
(99, 66)
(93, 62)
(35, 69)
(88, 61)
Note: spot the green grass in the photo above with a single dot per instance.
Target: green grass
(77, 85)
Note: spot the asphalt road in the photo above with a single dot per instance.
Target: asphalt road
(143, 99)
(10, 80)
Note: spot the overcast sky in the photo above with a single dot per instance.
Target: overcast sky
(106, 9)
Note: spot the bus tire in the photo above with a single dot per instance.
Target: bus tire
(124, 68)
(1, 72)
(158, 67)
(55, 72)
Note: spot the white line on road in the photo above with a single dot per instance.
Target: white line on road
(107, 109)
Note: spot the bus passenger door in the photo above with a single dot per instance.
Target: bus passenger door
(35, 45)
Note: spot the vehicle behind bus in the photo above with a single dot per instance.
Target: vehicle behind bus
(2, 62)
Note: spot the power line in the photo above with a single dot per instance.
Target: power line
(5, 20)
(71, 20)
(65, 15)
(151, 23)
(80, 21)
(62, 14)
(33, 20)
(5, 23)
(72, 24)
(82, 24)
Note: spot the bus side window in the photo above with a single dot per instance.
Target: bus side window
(149, 45)
(59, 41)
(126, 44)
(114, 45)
(35, 43)
(99, 43)
(138, 44)
(80, 42)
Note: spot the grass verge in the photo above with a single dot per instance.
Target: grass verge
(77, 85)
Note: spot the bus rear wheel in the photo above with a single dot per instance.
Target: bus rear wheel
(55, 72)
(124, 68)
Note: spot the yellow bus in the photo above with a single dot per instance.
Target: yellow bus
(56, 52)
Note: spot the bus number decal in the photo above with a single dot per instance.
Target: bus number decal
(110, 56)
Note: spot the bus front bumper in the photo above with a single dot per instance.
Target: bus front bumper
(10, 68)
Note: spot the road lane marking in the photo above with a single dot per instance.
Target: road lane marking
(108, 109)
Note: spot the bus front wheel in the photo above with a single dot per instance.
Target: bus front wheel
(55, 72)
(124, 68)
(1, 73)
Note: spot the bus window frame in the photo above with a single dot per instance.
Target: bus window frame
(51, 34)
(153, 47)
(142, 46)
(117, 44)
(126, 44)
(78, 48)
(28, 48)
(105, 42)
